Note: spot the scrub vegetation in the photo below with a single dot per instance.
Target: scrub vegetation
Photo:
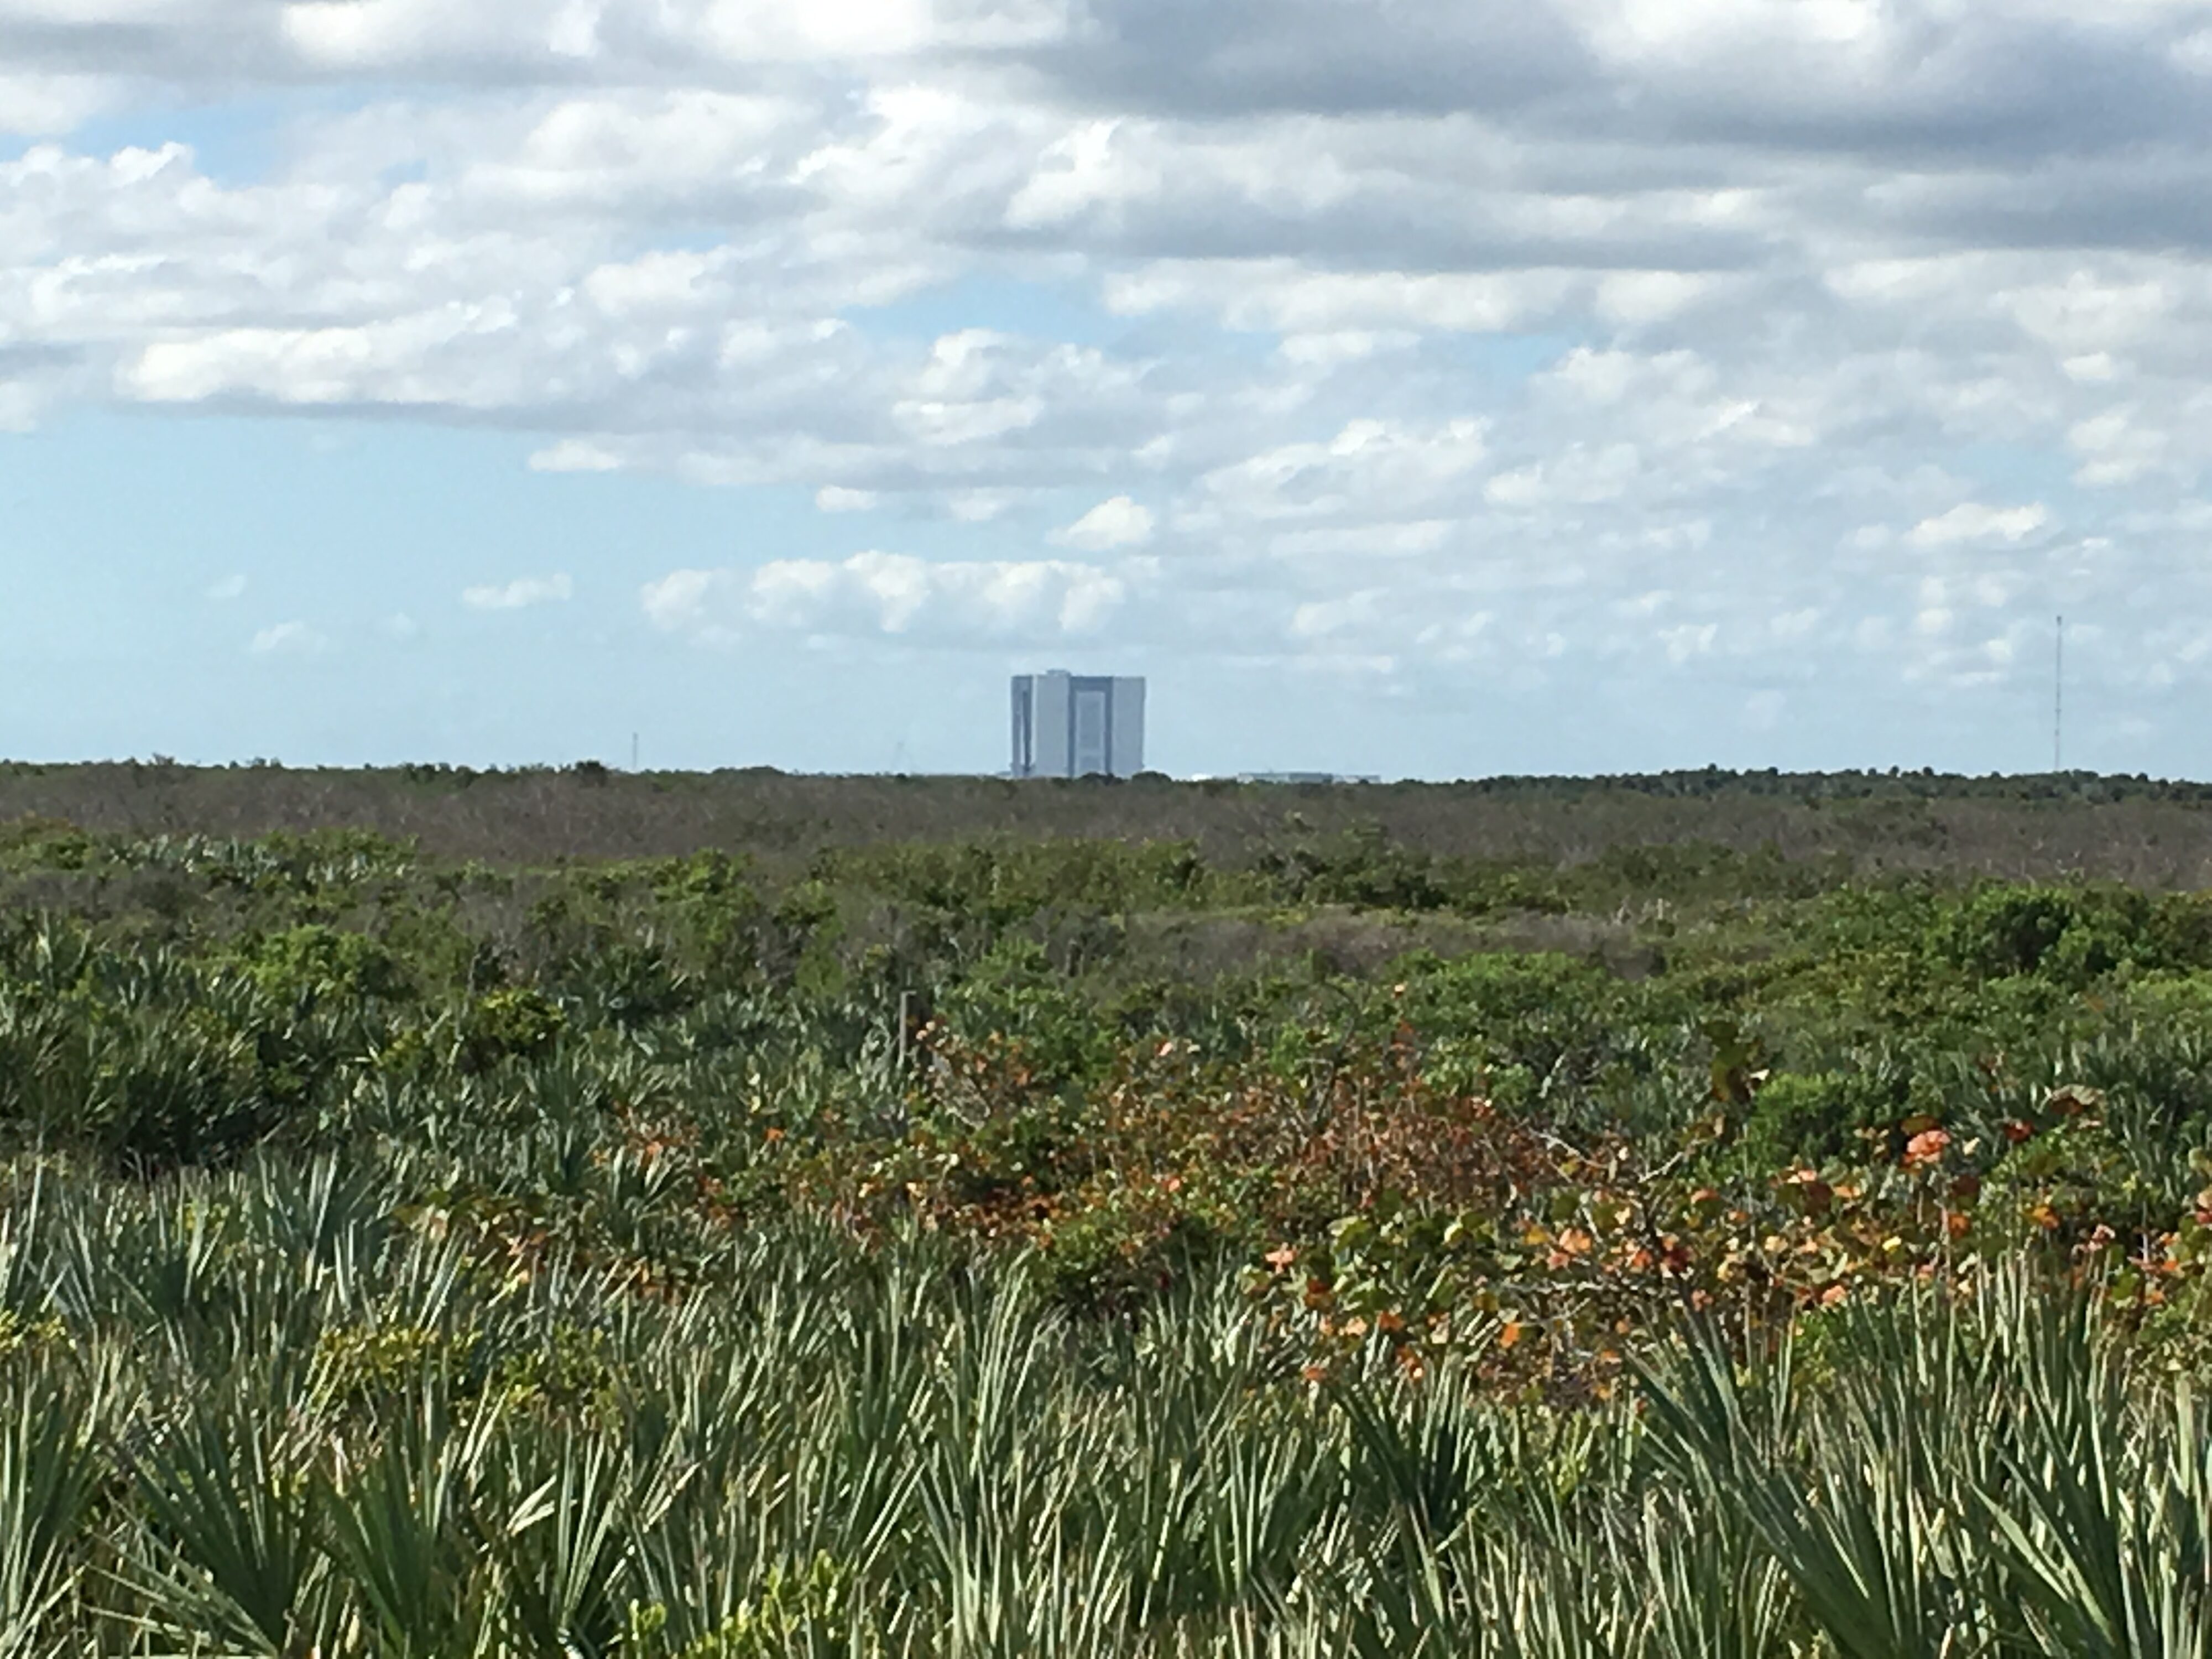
(1249, 1221)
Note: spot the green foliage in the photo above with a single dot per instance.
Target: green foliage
(1013, 993)
(1096, 1247)
(1002, 882)
(508, 1023)
(42, 843)
(1821, 1118)
(315, 960)
(1359, 867)
(1514, 1027)
(808, 1608)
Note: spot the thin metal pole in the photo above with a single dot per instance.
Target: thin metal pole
(2058, 698)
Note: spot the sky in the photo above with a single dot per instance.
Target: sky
(1416, 387)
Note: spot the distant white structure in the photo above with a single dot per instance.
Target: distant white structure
(1078, 726)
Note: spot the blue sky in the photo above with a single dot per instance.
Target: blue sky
(1581, 385)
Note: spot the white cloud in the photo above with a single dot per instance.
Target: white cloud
(521, 592)
(678, 601)
(1368, 464)
(1323, 618)
(1281, 295)
(876, 594)
(979, 506)
(1118, 521)
(372, 35)
(1349, 345)
(1971, 521)
(1080, 172)
(34, 106)
(1688, 640)
(576, 455)
(836, 498)
(1576, 475)
(229, 587)
(288, 639)
(2115, 448)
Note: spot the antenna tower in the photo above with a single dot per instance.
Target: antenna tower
(2059, 697)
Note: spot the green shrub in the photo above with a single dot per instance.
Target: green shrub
(316, 962)
(512, 1021)
(1818, 1118)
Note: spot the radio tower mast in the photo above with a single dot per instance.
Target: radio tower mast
(2058, 698)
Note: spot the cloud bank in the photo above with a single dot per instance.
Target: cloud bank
(1838, 343)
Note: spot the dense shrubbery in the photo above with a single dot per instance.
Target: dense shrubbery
(180, 1001)
(897, 1251)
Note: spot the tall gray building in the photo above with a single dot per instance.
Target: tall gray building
(1072, 725)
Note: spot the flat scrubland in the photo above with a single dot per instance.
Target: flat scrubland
(564, 1213)
(2133, 830)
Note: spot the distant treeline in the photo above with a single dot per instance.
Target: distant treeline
(2143, 830)
(1851, 783)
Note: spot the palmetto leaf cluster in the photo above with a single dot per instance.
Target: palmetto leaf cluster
(255, 1413)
